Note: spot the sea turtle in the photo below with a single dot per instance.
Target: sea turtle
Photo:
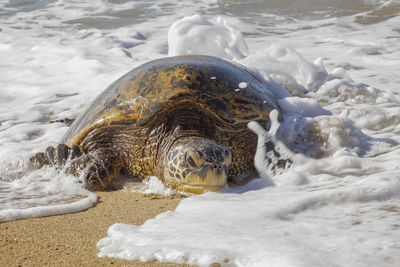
(183, 119)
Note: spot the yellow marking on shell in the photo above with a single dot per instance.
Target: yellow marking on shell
(131, 106)
(156, 79)
(108, 117)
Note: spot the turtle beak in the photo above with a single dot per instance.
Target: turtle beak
(209, 179)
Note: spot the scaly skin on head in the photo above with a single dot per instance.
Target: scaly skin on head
(197, 165)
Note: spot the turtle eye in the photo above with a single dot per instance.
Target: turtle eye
(194, 158)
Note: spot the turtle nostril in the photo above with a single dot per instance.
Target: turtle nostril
(217, 166)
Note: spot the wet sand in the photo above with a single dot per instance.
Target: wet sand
(70, 240)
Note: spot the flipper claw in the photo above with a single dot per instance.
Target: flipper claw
(98, 174)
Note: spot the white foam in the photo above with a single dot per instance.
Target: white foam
(305, 106)
(242, 85)
(287, 67)
(276, 226)
(197, 35)
(41, 193)
(151, 185)
(340, 209)
(320, 212)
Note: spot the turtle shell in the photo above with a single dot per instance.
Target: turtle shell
(225, 89)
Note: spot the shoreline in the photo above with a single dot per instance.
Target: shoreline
(70, 239)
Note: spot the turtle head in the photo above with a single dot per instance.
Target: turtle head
(197, 165)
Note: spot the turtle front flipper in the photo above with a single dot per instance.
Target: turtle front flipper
(57, 156)
(97, 173)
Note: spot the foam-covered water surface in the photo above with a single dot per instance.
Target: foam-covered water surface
(333, 67)
(27, 194)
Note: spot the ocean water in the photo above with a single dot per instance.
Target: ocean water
(334, 67)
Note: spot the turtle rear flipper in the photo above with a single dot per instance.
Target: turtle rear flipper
(98, 174)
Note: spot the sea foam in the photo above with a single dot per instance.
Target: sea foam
(316, 212)
(334, 72)
(41, 193)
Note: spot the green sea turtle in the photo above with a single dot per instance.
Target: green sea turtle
(183, 119)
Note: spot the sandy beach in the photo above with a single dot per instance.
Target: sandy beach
(70, 240)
